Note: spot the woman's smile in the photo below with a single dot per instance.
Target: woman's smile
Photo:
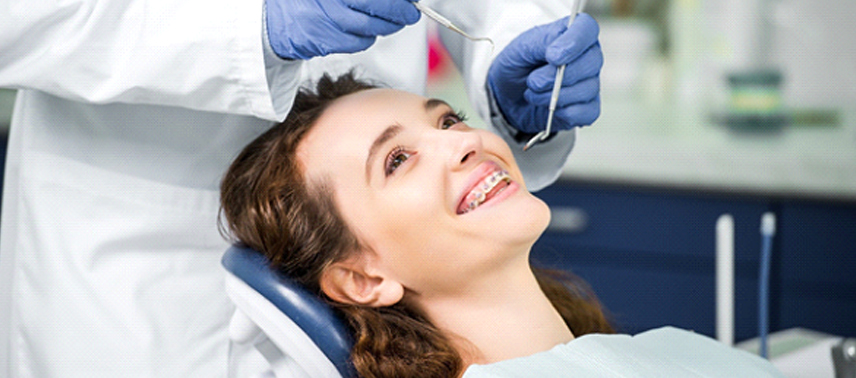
(486, 183)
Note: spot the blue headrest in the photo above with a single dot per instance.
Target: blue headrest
(308, 311)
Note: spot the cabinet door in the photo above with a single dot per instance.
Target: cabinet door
(649, 255)
(815, 270)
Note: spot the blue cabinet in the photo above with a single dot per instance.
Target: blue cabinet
(815, 271)
(649, 256)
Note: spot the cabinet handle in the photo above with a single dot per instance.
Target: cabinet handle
(567, 220)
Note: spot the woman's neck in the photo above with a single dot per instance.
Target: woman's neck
(503, 317)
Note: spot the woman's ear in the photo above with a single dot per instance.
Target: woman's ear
(350, 281)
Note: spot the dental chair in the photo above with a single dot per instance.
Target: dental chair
(294, 330)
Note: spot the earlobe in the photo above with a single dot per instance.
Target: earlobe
(349, 282)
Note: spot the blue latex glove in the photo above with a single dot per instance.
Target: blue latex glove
(522, 75)
(302, 29)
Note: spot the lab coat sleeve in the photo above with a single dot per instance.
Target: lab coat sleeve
(502, 21)
(199, 54)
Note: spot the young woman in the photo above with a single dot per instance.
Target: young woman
(414, 225)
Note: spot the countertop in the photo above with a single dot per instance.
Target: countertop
(680, 146)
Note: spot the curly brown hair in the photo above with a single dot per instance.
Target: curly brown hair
(269, 206)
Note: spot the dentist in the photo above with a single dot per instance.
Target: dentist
(129, 111)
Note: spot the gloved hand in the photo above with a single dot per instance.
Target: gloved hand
(302, 29)
(522, 75)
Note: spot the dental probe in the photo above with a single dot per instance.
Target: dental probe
(432, 14)
(577, 6)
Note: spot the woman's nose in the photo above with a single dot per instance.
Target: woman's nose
(464, 148)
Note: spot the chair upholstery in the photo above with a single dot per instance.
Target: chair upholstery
(286, 323)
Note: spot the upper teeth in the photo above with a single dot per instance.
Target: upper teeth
(478, 195)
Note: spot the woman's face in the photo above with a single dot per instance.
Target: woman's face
(438, 203)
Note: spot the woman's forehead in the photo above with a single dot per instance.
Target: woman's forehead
(377, 101)
(363, 115)
(348, 126)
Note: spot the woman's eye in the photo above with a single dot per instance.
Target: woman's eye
(395, 159)
(449, 122)
(452, 119)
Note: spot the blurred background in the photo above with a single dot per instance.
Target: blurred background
(709, 107)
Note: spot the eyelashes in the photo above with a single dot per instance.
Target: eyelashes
(395, 159)
(452, 118)
(399, 154)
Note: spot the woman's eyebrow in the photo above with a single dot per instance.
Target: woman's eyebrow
(387, 134)
(432, 103)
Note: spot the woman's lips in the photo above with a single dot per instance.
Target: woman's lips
(494, 181)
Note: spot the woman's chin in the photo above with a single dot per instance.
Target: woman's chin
(519, 219)
(532, 222)
(540, 216)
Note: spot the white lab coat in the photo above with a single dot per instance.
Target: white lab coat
(128, 114)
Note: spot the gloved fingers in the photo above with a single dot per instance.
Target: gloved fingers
(346, 44)
(526, 52)
(586, 66)
(580, 92)
(357, 23)
(570, 116)
(398, 12)
(521, 79)
(573, 41)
